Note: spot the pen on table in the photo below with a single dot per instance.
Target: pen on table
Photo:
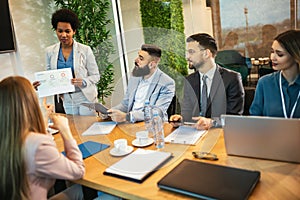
(175, 121)
(189, 123)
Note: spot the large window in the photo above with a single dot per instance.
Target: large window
(250, 26)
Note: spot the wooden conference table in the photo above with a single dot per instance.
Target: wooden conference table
(279, 180)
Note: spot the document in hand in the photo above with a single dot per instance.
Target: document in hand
(54, 82)
(138, 165)
(209, 181)
(185, 135)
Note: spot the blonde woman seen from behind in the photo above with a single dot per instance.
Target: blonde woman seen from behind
(29, 157)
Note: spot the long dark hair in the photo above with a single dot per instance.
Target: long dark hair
(290, 40)
(20, 115)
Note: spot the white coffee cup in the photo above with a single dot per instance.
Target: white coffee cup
(120, 145)
(142, 137)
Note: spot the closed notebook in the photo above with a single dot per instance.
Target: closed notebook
(210, 181)
(138, 165)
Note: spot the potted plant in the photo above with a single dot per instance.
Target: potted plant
(162, 22)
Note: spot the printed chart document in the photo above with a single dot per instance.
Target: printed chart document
(54, 82)
(138, 165)
(100, 128)
(185, 135)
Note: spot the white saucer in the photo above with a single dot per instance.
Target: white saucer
(115, 152)
(137, 143)
(52, 130)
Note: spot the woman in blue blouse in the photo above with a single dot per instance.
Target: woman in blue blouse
(278, 94)
(70, 54)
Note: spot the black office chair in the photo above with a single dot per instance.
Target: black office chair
(172, 107)
(249, 95)
(233, 60)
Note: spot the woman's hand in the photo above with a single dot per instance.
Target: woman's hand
(61, 123)
(77, 82)
(48, 107)
(35, 84)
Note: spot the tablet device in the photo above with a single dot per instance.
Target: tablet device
(97, 106)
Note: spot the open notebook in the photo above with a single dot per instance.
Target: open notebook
(138, 165)
(209, 181)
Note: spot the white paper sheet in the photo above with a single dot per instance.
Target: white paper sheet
(54, 82)
(185, 135)
(100, 128)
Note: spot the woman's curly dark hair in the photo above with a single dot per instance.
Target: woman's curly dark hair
(65, 15)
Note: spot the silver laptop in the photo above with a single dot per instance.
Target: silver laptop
(262, 137)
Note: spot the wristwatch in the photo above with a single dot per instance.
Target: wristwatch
(213, 123)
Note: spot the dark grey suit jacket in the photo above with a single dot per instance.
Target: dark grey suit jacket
(226, 95)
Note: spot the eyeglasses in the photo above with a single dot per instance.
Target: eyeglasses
(205, 155)
(192, 51)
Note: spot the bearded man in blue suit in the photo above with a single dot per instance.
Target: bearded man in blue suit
(147, 82)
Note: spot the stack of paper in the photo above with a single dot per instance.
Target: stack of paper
(100, 128)
(185, 135)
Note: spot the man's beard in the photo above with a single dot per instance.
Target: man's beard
(140, 71)
(192, 67)
(195, 66)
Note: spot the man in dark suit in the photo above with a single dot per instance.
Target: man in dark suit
(223, 93)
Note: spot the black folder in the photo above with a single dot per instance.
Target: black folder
(210, 181)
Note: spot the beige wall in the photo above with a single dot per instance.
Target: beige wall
(197, 17)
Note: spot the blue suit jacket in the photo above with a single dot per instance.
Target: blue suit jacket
(160, 94)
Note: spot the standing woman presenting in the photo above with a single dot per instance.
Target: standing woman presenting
(278, 94)
(79, 57)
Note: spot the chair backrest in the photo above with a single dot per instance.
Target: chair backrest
(249, 96)
(233, 60)
(230, 57)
